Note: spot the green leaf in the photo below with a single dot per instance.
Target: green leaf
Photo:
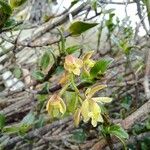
(62, 43)
(5, 12)
(41, 121)
(10, 23)
(38, 75)
(45, 60)
(126, 102)
(74, 2)
(147, 124)
(2, 121)
(28, 119)
(23, 129)
(79, 27)
(71, 99)
(100, 67)
(109, 23)
(118, 131)
(42, 97)
(5, 7)
(73, 49)
(59, 70)
(11, 129)
(79, 135)
(145, 143)
(46, 87)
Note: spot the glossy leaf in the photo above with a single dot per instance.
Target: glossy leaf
(100, 67)
(118, 131)
(73, 49)
(10, 23)
(79, 27)
(5, 7)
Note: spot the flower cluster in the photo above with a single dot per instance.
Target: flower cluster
(73, 65)
(90, 107)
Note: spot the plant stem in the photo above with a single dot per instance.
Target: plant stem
(75, 87)
(107, 136)
(64, 89)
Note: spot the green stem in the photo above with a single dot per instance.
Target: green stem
(64, 89)
(75, 88)
(107, 136)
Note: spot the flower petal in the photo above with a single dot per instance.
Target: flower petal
(102, 99)
(55, 106)
(85, 111)
(63, 107)
(91, 91)
(100, 118)
(87, 56)
(94, 122)
(77, 117)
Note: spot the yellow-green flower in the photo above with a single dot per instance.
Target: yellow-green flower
(55, 106)
(90, 108)
(73, 65)
(88, 63)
